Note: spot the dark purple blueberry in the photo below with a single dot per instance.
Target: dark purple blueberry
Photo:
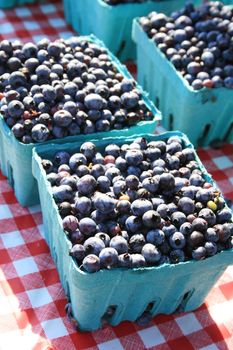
(138, 261)
(136, 243)
(140, 206)
(86, 185)
(150, 253)
(186, 205)
(70, 223)
(178, 218)
(151, 219)
(177, 240)
(104, 203)
(87, 226)
(78, 252)
(124, 260)
(155, 236)
(200, 224)
(108, 257)
(199, 253)
(91, 263)
(120, 244)
(62, 118)
(93, 245)
(176, 256)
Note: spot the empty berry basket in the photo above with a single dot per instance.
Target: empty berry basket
(113, 23)
(15, 157)
(204, 115)
(127, 292)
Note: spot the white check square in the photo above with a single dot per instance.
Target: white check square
(188, 324)
(12, 239)
(151, 336)
(54, 328)
(49, 8)
(25, 266)
(23, 12)
(39, 297)
(5, 212)
(31, 25)
(111, 344)
(7, 28)
(223, 162)
(57, 22)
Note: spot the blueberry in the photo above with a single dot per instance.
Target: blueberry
(151, 184)
(155, 236)
(177, 240)
(108, 257)
(120, 244)
(15, 109)
(93, 101)
(133, 223)
(88, 149)
(208, 215)
(103, 183)
(136, 243)
(224, 215)
(199, 253)
(211, 235)
(87, 226)
(140, 206)
(129, 99)
(177, 256)
(86, 185)
(83, 205)
(186, 205)
(62, 118)
(78, 252)
(104, 203)
(151, 219)
(40, 133)
(124, 260)
(104, 237)
(150, 253)
(200, 224)
(76, 160)
(70, 223)
(61, 158)
(137, 261)
(186, 228)
(166, 181)
(169, 229)
(91, 263)
(65, 208)
(178, 218)
(211, 248)
(134, 157)
(18, 130)
(93, 245)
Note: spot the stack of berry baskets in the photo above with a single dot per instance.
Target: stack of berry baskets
(61, 91)
(131, 212)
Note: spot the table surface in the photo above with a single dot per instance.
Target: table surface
(32, 301)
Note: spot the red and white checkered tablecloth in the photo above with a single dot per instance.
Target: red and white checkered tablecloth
(32, 301)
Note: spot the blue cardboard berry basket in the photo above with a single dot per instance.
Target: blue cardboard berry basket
(113, 23)
(16, 157)
(129, 291)
(205, 115)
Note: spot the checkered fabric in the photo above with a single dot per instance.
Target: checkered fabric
(32, 301)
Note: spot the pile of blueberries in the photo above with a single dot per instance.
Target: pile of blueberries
(198, 41)
(64, 88)
(144, 203)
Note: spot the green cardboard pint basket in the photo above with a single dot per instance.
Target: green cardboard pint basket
(205, 115)
(16, 157)
(165, 288)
